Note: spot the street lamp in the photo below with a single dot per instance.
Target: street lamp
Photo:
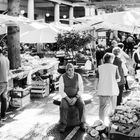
(22, 12)
(47, 14)
(64, 16)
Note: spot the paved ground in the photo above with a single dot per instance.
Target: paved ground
(36, 120)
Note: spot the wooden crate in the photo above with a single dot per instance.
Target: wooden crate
(20, 102)
(19, 93)
(40, 89)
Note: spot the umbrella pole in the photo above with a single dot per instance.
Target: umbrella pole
(133, 29)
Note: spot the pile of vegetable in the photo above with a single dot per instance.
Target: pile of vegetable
(126, 117)
(97, 129)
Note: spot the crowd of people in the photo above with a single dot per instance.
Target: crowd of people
(111, 79)
(111, 74)
(113, 65)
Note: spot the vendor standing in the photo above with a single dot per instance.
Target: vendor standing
(71, 88)
(4, 72)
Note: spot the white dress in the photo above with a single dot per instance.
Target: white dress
(107, 85)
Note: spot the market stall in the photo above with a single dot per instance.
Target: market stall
(23, 82)
(126, 21)
(125, 121)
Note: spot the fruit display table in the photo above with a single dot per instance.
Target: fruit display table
(125, 121)
(21, 83)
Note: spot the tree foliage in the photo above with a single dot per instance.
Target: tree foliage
(73, 41)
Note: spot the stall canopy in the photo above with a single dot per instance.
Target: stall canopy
(12, 20)
(25, 24)
(127, 21)
(43, 35)
(60, 26)
(47, 34)
(31, 31)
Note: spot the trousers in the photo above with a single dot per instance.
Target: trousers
(107, 104)
(3, 97)
(64, 107)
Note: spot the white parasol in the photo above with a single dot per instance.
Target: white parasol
(24, 23)
(43, 35)
(128, 21)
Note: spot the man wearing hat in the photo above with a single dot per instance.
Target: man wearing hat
(4, 71)
(70, 88)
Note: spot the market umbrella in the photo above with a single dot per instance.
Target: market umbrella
(128, 21)
(60, 26)
(26, 27)
(24, 24)
(119, 27)
(43, 35)
(6, 19)
(86, 24)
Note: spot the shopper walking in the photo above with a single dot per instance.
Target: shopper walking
(117, 61)
(100, 51)
(124, 57)
(107, 86)
(113, 44)
(4, 72)
(130, 44)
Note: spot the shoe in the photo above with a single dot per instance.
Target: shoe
(4, 118)
(83, 127)
(62, 128)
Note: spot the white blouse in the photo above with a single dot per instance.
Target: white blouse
(107, 83)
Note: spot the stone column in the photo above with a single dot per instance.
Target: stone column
(56, 12)
(71, 15)
(89, 10)
(31, 9)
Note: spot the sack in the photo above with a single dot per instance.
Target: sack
(88, 65)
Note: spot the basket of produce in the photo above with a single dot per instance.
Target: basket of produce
(125, 122)
(97, 129)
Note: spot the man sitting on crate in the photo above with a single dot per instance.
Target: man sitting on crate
(70, 88)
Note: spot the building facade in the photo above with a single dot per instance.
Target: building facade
(66, 10)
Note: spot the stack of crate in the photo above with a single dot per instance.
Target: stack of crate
(20, 97)
(40, 88)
